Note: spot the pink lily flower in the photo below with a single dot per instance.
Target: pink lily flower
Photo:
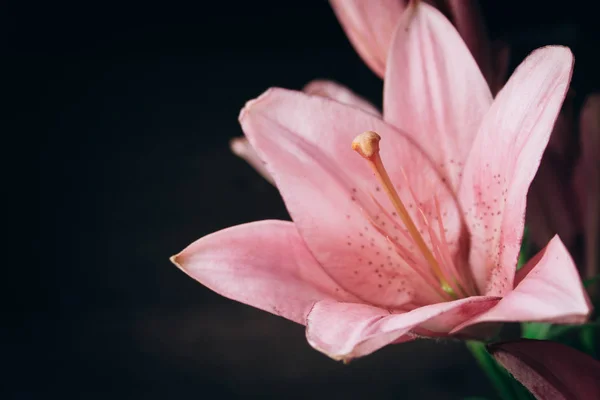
(426, 247)
(550, 370)
(370, 27)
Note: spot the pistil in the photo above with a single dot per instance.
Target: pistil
(367, 145)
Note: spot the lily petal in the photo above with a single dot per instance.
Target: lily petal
(503, 160)
(328, 190)
(340, 93)
(550, 370)
(434, 89)
(264, 264)
(333, 90)
(369, 25)
(345, 331)
(548, 289)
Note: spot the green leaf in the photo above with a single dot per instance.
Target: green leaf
(535, 330)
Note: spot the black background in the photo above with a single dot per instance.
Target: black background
(116, 156)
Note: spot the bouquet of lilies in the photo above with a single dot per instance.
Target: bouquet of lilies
(438, 217)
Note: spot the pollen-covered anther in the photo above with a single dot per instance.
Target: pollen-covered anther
(366, 144)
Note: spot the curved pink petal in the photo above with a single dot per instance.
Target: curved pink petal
(340, 93)
(587, 181)
(345, 331)
(550, 370)
(548, 289)
(434, 90)
(369, 25)
(264, 264)
(328, 190)
(333, 90)
(503, 160)
(241, 148)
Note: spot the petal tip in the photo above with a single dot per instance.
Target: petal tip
(557, 51)
(314, 86)
(238, 146)
(254, 103)
(177, 261)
